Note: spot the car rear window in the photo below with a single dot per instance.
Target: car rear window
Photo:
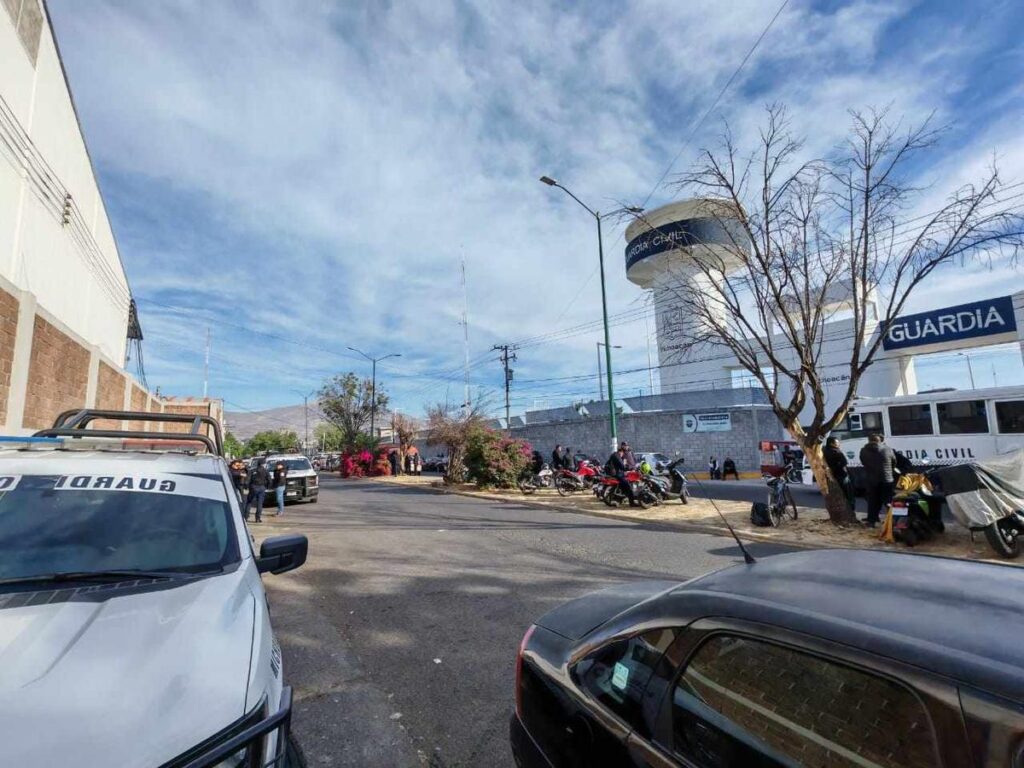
(144, 521)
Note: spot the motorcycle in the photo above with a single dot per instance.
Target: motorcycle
(613, 495)
(531, 482)
(568, 482)
(677, 478)
(987, 496)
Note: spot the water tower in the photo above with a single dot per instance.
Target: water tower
(662, 249)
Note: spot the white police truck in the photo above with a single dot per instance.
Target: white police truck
(134, 628)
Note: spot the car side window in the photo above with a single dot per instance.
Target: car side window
(617, 674)
(995, 729)
(746, 702)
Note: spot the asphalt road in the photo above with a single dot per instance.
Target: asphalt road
(400, 633)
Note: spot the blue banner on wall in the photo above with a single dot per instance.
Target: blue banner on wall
(966, 321)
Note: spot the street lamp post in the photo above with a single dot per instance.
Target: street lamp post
(305, 417)
(604, 303)
(970, 369)
(600, 376)
(373, 384)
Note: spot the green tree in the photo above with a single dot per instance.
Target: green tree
(328, 437)
(275, 441)
(347, 401)
(494, 460)
(232, 446)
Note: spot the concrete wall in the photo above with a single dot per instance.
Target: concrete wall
(55, 238)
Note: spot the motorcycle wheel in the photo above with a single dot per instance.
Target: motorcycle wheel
(1004, 537)
(565, 486)
(527, 487)
(684, 496)
(611, 499)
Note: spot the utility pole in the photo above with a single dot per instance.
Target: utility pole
(600, 376)
(206, 364)
(465, 336)
(507, 355)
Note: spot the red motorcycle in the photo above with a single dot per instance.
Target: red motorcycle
(612, 494)
(568, 482)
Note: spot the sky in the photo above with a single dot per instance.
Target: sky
(305, 177)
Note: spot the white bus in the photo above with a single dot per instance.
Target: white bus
(938, 427)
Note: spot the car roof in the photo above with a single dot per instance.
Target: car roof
(959, 618)
(52, 461)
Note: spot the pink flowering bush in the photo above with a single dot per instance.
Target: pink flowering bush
(359, 464)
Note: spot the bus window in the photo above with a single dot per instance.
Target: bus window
(858, 425)
(963, 417)
(872, 421)
(1010, 417)
(911, 419)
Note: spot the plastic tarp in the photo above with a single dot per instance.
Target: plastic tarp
(978, 494)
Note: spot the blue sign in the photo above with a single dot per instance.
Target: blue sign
(966, 321)
(680, 234)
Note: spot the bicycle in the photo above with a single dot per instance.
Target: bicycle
(780, 498)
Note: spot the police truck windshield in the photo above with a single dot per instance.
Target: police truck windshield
(91, 523)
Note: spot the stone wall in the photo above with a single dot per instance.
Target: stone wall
(58, 375)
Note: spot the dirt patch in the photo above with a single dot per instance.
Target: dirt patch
(811, 529)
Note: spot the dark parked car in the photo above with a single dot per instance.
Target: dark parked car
(825, 658)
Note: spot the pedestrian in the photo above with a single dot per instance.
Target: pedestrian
(393, 461)
(280, 483)
(729, 468)
(627, 456)
(556, 458)
(568, 460)
(836, 461)
(410, 464)
(616, 467)
(712, 468)
(419, 463)
(877, 460)
(259, 479)
(240, 479)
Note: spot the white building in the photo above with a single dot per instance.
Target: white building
(660, 248)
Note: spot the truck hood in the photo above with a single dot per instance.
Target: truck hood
(134, 679)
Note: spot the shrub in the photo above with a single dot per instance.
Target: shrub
(493, 460)
(358, 464)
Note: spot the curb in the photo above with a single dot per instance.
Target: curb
(713, 530)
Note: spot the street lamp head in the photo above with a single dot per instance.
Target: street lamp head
(634, 209)
(549, 181)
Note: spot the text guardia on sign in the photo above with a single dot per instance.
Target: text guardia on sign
(966, 321)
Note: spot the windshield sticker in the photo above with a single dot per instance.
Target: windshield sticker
(620, 675)
(9, 482)
(162, 483)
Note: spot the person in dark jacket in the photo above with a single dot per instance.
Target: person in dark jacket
(240, 479)
(877, 459)
(627, 456)
(713, 473)
(557, 460)
(836, 461)
(259, 479)
(279, 482)
(729, 468)
(617, 468)
(393, 461)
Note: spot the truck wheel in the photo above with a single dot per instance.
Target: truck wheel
(1004, 537)
(294, 758)
(314, 500)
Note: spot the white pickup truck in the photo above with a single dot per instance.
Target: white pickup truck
(134, 628)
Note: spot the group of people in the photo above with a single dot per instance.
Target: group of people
(413, 463)
(882, 465)
(252, 487)
(723, 472)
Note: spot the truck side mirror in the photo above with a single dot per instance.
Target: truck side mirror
(282, 553)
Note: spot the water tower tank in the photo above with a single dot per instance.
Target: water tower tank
(661, 250)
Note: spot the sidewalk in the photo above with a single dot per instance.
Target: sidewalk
(812, 529)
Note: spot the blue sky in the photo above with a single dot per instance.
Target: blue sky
(315, 171)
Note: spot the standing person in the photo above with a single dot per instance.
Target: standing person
(877, 459)
(239, 478)
(836, 461)
(556, 459)
(569, 461)
(258, 482)
(729, 468)
(418, 463)
(616, 467)
(712, 468)
(280, 482)
(393, 461)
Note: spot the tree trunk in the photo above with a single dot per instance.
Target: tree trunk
(839, 511)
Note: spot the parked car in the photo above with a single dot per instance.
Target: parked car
(658, 461)
(820, 658)
(436, 464)
(133, 619)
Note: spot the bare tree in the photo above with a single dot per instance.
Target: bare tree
(451, 426)
(404, 429)
(803, 240)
